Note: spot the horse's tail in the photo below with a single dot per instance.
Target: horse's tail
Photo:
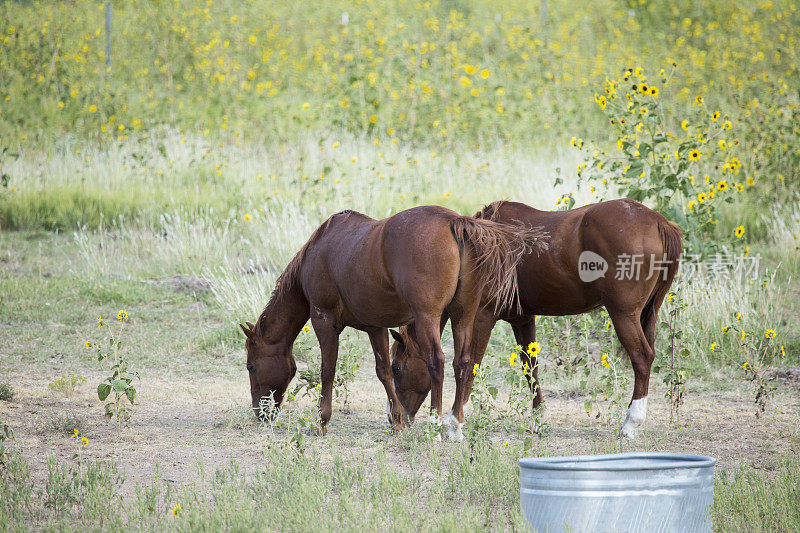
(497, 250)
(672, 249)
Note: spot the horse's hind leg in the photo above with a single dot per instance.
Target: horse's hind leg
(379, 339)
(525, 333)
(462, 309)
(649, 317)
(629, 331)
(426, 329)
(481, 333)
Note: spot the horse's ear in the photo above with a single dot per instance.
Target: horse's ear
(248, 330)
(396, 336)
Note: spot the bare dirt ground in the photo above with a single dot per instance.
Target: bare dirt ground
(178, 424)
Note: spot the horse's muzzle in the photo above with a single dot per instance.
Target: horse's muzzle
(265, 413)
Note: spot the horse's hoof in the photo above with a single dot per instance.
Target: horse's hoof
(627, 432)
(454, 428)
(637, 412)
(455, 434)
(398, 425)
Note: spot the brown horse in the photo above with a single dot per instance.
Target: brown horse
(618, 254)
(372, 274)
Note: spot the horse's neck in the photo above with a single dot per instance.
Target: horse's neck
(285, 315)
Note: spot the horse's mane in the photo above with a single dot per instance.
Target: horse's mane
(410, 341)
(490, 211)
(289, 277)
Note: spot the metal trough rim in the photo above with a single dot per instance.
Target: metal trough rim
(590, 462)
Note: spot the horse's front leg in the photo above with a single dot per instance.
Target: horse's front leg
(379, 339)
(328, 337)
(525, 334)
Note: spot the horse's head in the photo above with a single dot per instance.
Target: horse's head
(412, 380)
(271, 368)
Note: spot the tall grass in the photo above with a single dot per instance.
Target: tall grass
(140, 179)
(330, 489)
(754, 303)
(324, 490)
(747, 499)
(783, 223)
(282, 195)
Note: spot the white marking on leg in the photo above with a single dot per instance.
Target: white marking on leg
(637, 412)
(455, 431)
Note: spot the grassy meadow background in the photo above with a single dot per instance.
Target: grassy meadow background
(175, 179)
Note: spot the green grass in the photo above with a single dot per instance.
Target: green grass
(289, 492)
(468, 491)
(52, 307)
(747, 499)
(66, 423)
(67, 208)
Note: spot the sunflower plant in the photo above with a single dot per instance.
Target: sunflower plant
(683, 167)
(482, 397)
(749, 349)
(604, 361)
(120, 380)
(675, 373)
(521, 417)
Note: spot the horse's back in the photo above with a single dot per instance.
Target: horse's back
(617, 230)
(628, 236)
(621, 223)
(371, 270)
(419, 248)
(340, 259)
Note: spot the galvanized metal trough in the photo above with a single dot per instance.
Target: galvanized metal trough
(618, 492)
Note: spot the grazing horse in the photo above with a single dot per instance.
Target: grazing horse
(373, 274)
(618, 254)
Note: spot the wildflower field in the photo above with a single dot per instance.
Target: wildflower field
(149, 199)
